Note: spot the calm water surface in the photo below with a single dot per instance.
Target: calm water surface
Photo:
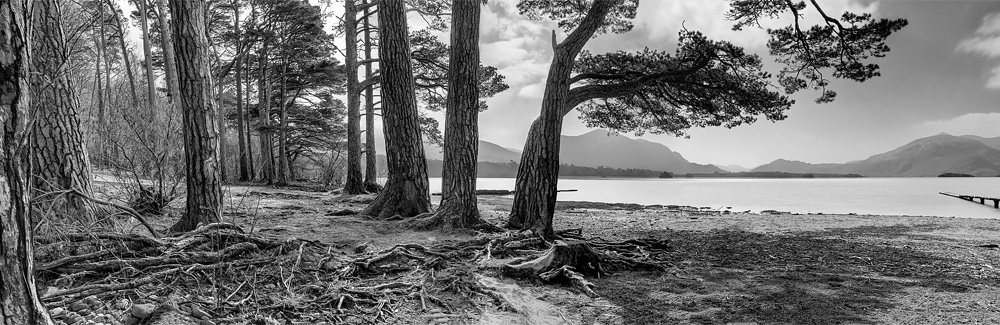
(890, 196)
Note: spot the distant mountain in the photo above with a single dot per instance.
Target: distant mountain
(795, 166)
(733, 168)
(488, 152)
(992, 142)
(602, 148)
(930, 156)
(593, 149)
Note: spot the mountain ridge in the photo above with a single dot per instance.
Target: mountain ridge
(929, 156)
(597, 148)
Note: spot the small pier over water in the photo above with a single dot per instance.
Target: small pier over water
(972, 198)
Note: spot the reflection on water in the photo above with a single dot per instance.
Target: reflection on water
(893, 196)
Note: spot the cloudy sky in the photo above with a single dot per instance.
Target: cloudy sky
(942, 75)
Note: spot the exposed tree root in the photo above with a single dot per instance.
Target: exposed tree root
(450, 219)
(242, 274)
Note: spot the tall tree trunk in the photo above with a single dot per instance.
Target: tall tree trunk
(58, 153)
(125, 57)
(19, 301)
(264, 114)
(355, 182)
(538, 173)
(201, 139)
(458, 207)
(244, 170)
(101, 24)
(371, 174)
(406, 192)
(169, 55)
(250, 169)
(100, 120)
(221, 120)
(148, 59)
(282, 175)
(100, 92)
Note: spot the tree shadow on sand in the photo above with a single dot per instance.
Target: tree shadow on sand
(734, 276)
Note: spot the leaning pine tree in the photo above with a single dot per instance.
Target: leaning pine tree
(406, 193)
(19, 301)
(201, 139)
(704, 83)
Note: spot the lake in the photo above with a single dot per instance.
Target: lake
(888, 196)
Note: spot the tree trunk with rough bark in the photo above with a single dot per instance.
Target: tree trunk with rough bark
(19, 301)
(243, 165)
(371, 174)
(169, 54)
(283, 168)
(406, 192)
(355, 182)
(538, 173)
(264, 114)
(458, 207)
(201, 139)
(58, 153)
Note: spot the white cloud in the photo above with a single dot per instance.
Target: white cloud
(981, 124)
(985, 45)
(991, 24)
(534, 90)
(986, 42)
(994, 80)
(506, 52)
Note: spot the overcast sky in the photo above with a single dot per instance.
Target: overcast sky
(942, 75)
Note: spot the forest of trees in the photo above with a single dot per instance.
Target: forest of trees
(224, 92)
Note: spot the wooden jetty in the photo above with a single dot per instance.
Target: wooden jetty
(973, 198)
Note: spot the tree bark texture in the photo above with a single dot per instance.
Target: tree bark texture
(243, 165)
(58, 153)
(538, 173)
(19, 301)
(355, 182)
(264, 114)
(461, 133)
(283, 168)
(169, 53)
(371, 164)
(201, 139)
(406, 192)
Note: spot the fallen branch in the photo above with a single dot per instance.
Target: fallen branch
(179, 258)
(80, 237)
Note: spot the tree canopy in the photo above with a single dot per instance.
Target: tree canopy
(713, 83)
